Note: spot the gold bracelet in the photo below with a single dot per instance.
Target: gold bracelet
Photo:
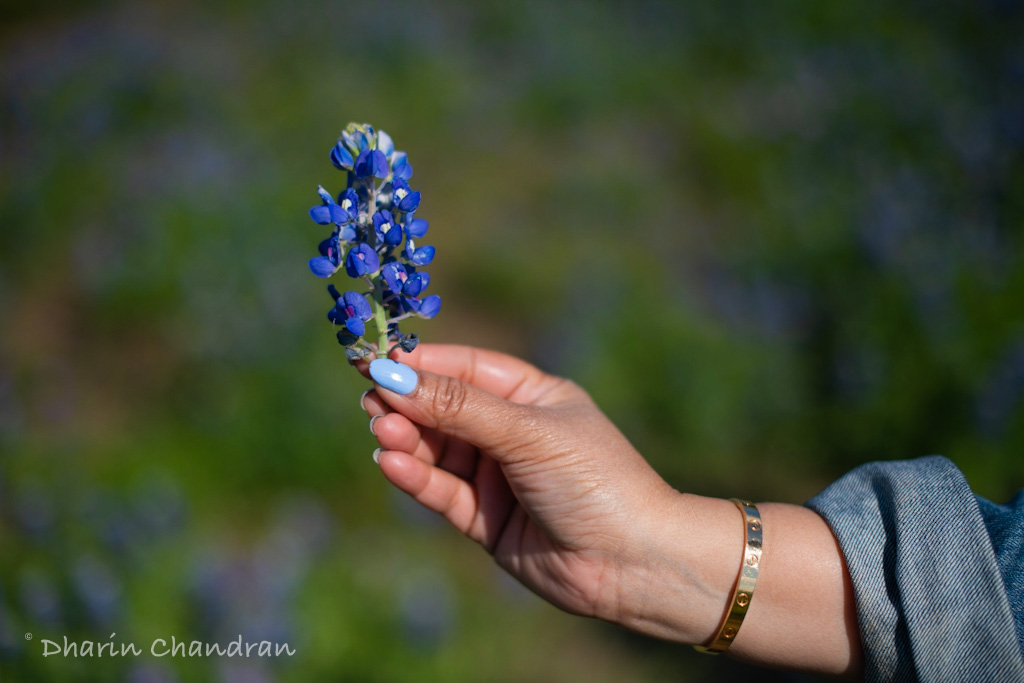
(744, 584)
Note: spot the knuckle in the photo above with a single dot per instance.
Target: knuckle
(449, 399)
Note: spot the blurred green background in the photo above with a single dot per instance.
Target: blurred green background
(773, 240)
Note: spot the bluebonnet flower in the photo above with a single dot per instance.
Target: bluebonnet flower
(400, 167)
(405, 199)
(352, 310)
(416, 227)
(419, 257)
(372, 162)
(387, 231)
(373, 231)
(329, 260)
(428, 307)
(362, 260)
(402, 281)
(329, 212)
(341, 157)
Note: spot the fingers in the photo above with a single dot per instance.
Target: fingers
(372, 404)
(453, 407)
(480, 517)
(433, 488)
(497, 373)
(502, 375)
(396, 432)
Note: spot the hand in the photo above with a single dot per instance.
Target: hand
(525, 464)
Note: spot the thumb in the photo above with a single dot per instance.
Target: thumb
(452, 406)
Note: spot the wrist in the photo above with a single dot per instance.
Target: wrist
(677, 580)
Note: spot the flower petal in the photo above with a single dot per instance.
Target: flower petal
(400, 166)
(355, 326)
(416, 283)
(422, 256)
(362, 143)
(322, 266)
(385, 144)
(361, 260)
(363, 166)
(324, 195)
(379, 164)
(339, 216)
(417, 228)
(357, 302)
(393, 274)
(349, 201)
(410, 202)
(430, 306)
(393, 237)
(320, 214)
(341, 157)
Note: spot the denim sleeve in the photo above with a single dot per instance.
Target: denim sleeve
(927, 560)
(1005, 524)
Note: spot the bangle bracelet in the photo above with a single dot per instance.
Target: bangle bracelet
(744, 584)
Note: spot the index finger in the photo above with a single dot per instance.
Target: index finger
(497, 373)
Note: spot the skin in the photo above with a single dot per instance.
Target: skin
(525, 464)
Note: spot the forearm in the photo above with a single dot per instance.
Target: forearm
(678, 581)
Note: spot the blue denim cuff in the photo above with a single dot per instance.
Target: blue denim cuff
(931, 600)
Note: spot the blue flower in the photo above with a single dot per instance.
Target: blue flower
(329, 212)
(400, 166)
(385, 144)
(387, 231)
(418, 257)
(416, 227)
(329, 260)
(371, 163)
(403, 281)
(362, 260)
(349, 201)
(353, 311)
(373, 227)
(355, 140)
(427, 307)
(430, 306)
(341, 157)
(322, 266)
(404, 198)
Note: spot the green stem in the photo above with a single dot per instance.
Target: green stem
(380, 313)
(380, 317)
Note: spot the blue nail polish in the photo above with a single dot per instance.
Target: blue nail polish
(399, 378)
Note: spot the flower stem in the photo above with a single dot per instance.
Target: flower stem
(380, 316)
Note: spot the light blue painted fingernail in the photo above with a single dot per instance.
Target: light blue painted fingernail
(397, 377)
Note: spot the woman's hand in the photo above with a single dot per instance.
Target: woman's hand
(525, 464)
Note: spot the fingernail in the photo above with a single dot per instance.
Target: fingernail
(397, 377)
(372, 420)
(376, 455)
(362, 399)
